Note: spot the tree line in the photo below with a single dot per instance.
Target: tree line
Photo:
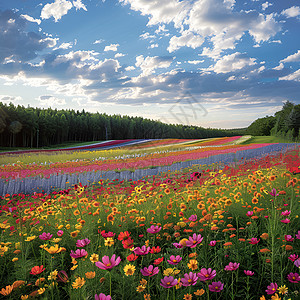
(285, 123)
(36, 127)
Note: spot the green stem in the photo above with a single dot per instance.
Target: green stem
(232, 292)
(109, 283)
(207, 290)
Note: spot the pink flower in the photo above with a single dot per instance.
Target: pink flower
(82, 243)
(216, 286)
(141, 251)
(297, 263)
(107, 234)
(45, 236)
(288, 238)
(60, 232)
(102, 297)
(150, 271)
(154, 229)
(249, 213)
(206, 274)
(272, 288)
(232, 266)
(193, 218)
(273, 193)
(293, 257)
(298, 235)
(78, 253)
(194, 240)
(62, 276)
(177, 245)
(248, 273)
(189, 279)
(174, 260)
(286, 213)
(254, 241)
(286, 221)
(212, 243)
(293, 277)
(168, 282)
(107, 263)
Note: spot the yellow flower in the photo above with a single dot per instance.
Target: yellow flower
(168, 272)
(140, 288)
(94, 258)
(74, 267)
(43, 246)
(41, 291)
(275, 297)
(23, 297)
(129, 270)
(30, 238)
(283, 290)
(109, 242)
(18, 245)
(53, 275)
(56, 240)
(78, 283)
(15, 259)
(39, 281)
(90, 275)
(54, 249)
(193, 264)
(143, 282)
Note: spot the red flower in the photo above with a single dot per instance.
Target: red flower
(155, 250)
(128, 243)
(37, 270)
(123, 236)
(158, 261)
(132, 257)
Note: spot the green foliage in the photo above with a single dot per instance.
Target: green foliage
(262, 126)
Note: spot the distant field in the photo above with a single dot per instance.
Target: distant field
(264, 139)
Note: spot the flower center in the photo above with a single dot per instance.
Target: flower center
(109, 264)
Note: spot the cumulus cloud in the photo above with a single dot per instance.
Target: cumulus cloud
(187, 39)
(119, 55)
(79, 5)
(292, 58)
(265, 5)
(195, 62)
(291, 12)
(149, 64)
(57, 9)
(294, 76)
(111, 47)
(98, 41)
(130, 68)
(31, 19)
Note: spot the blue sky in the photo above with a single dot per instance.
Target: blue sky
(211, 63)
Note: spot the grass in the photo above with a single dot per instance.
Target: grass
(265, 139)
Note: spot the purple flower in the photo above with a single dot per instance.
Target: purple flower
(102, 297)
(216, 286)
(78, 253)
(288, 238)
(193, 218)
(150, 271)
(298, 235)
(212, 243)
(141, 251)
(60, 232)
(248, 273)
(293, 257)
(168, 282)
(194, 240)
(206, 274)
(45, 236)
(232, 266)
(249, 213)
(273, 193)
(107, 263)
(189, 279)
(254, 241)
(297, 263)
(178, 245)
(174, 260)
(82, 243)
(293, 277)
(154, 229)
(272, 288)
(286, 213)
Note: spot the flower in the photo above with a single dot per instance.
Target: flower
(194, 240)
(53, 275)
(216, 286)
(54, 249)
(82, 243)
(193, 264)
(275, 297)
(178, 245)
(7, 290)
(206, 274)
(272, 288)
(248, 273)
(283, 290)
(155, 249)
(90, 275)
(78, 283)
(212, 243)
(293, 277)
(62, 276)
(297, 263)
(129, 269)
(107, 263)
(109, 242)
(187, 297)
(249, 213)
(78, 253)
(254, 241)
(17, 284)
(232, 266)
(123, 236)
(154, 229)
(37, 270)
(199, 292)
(286, 221)
(174, 260)
(273, 193)
(150, 271)
(60, 232)
(45, 236)
(189, 279)
(41, 291)
(168, 282)
(94, 258)
(288, 238)
(158, 261)
(193, 218)
(293, 257)
(107, 234)
(286, 213)
(102, 297)
(132, 257)
(298, 235)
(141, 251)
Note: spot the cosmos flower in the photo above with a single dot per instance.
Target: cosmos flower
(206, 274)
(108, 263)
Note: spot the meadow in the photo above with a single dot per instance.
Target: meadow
(207, 232)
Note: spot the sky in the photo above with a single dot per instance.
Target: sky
(210, 63)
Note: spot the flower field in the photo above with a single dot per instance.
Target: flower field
(199, 233)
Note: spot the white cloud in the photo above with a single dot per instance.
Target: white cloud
(112, 47)
(265, 5)
(147, 35)
(56, 9)
(294, 76)
(98, 41)
(50, 100)
(187, 39)
(153, 46)
(292, 58)
(233, 62)
(7, 99)
(161, 29)
(64, 46)
(291, 12)
(195, 62)
(279, 67)
(79, 5)
(149, 64)
(31, 19)
(130, 68)
(119, 55)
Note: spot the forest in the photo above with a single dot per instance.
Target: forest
(36, 127)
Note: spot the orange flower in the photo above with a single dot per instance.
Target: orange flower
(265, 250)
(7, 290)
(227, 244)
(90, 275)
(199, 292)
(288, 247)
(264, 236)
(17, 284)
